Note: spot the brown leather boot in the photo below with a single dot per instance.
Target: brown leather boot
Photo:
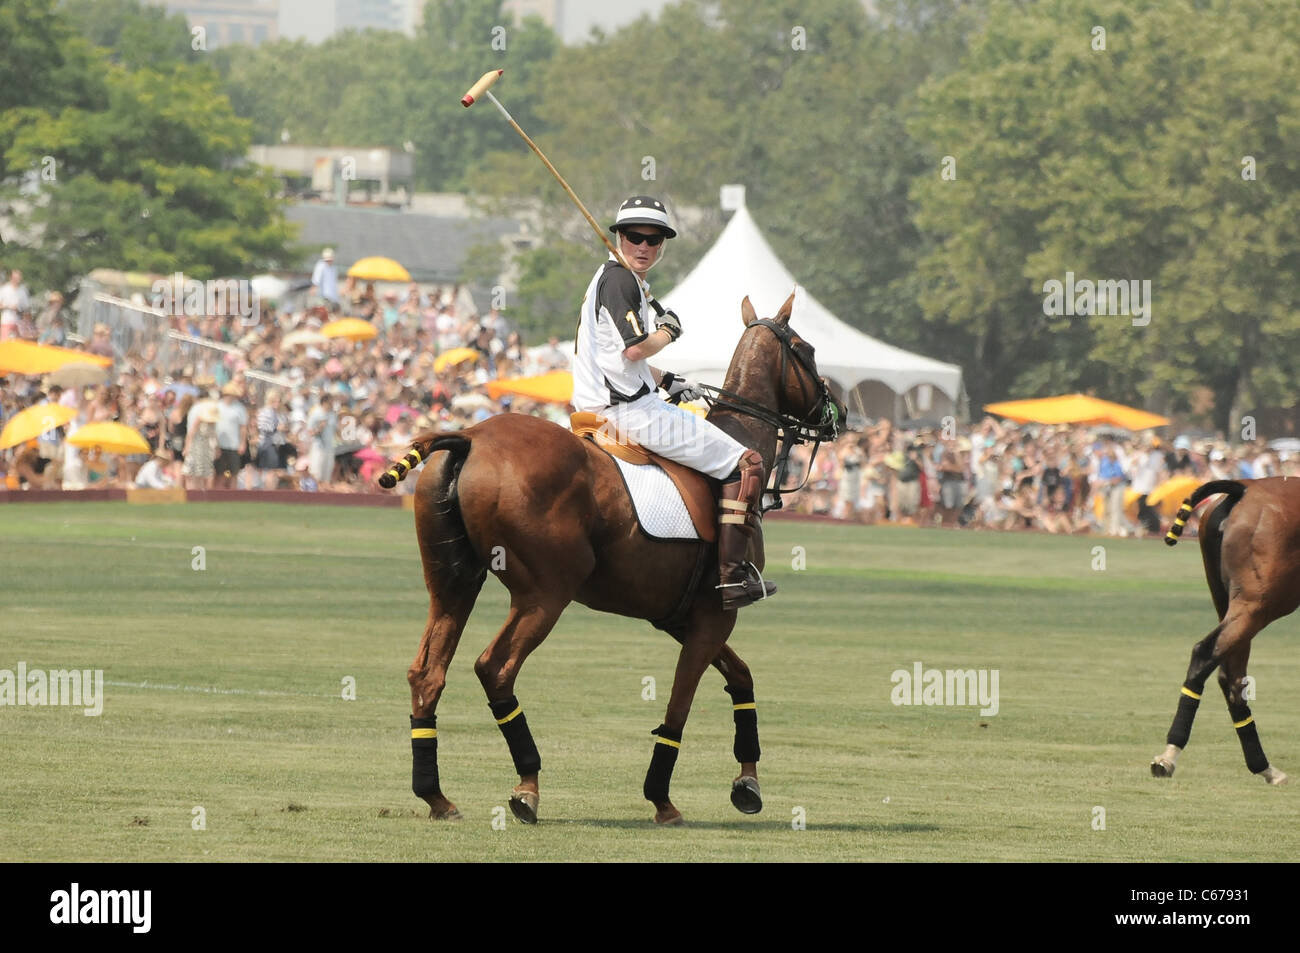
(739, 581)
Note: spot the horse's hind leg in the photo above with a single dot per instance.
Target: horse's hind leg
(1237, 628)
(453, 575)
(427, 676)
(740, 686)
(528, 624)
(1232, 679)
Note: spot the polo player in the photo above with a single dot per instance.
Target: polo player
(612, 377)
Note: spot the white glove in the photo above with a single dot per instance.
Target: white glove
(679, 389)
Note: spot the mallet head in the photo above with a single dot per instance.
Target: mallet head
(481, 87)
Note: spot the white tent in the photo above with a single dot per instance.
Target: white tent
(742, 263)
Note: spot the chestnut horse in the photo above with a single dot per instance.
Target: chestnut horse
(548, 513)
(1250, 544)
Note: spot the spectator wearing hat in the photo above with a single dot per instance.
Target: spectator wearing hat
(321, 425)
(325, 280)
(101, 342)
(232, 442)
(153, 474)
(1179, 459)
(201, 447)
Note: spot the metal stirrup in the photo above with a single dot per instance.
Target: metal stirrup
(762, 585)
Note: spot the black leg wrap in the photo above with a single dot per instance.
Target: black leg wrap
(1181, 729)
(518, 738)
(424, 757)
(662, 762)
(1248, 735)
(746, 746)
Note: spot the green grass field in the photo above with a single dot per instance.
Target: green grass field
(224, 691)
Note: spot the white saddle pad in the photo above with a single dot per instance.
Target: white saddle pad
(659, 506)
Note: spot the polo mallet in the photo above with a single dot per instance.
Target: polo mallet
(481, 88)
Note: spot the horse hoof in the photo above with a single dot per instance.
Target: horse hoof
(669, 817)
(1161, 767)
(745, 796)
(448, 813)
(523, 804)
(1273, 776)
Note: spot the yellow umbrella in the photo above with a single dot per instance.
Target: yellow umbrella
(109, 437)
(353, 329)
(1076, 409)
(24, 357)
(377, 268)
(457, 355)
(1168, 496)
(31, 423)
(555, 387)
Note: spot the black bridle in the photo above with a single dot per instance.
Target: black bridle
(822, 422)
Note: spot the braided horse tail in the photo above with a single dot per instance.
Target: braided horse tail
(422, 447)
(1232, 488)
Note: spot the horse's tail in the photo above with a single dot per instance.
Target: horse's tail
(421, 448)
(1232, 488)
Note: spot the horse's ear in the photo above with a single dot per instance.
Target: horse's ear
(783, 316)
(747, 312)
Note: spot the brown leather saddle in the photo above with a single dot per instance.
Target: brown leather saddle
(696, 489)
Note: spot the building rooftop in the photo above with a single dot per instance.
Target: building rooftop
(432, 248)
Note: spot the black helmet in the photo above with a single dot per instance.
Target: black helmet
(643, 210)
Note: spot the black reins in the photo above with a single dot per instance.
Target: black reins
(791, 430)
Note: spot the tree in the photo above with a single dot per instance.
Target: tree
(137, 34)
(137, 169)
(1123, 162)
(803, 102)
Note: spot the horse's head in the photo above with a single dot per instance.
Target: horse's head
(772, 348)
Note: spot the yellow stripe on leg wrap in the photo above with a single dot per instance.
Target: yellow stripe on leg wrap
(519, 710)
(745, 705)
(733, 505)
(731, 518)
(668, 741)
(1243, 724)
(424, 732)
(1190, 694)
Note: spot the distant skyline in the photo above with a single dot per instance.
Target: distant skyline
(257, 21)
(579, 16)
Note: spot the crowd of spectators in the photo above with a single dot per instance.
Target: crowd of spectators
(230, 404)
(1000, 475)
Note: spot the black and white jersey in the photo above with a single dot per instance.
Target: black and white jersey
(615, 315)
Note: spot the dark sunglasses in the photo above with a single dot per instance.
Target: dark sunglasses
(638, 238)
